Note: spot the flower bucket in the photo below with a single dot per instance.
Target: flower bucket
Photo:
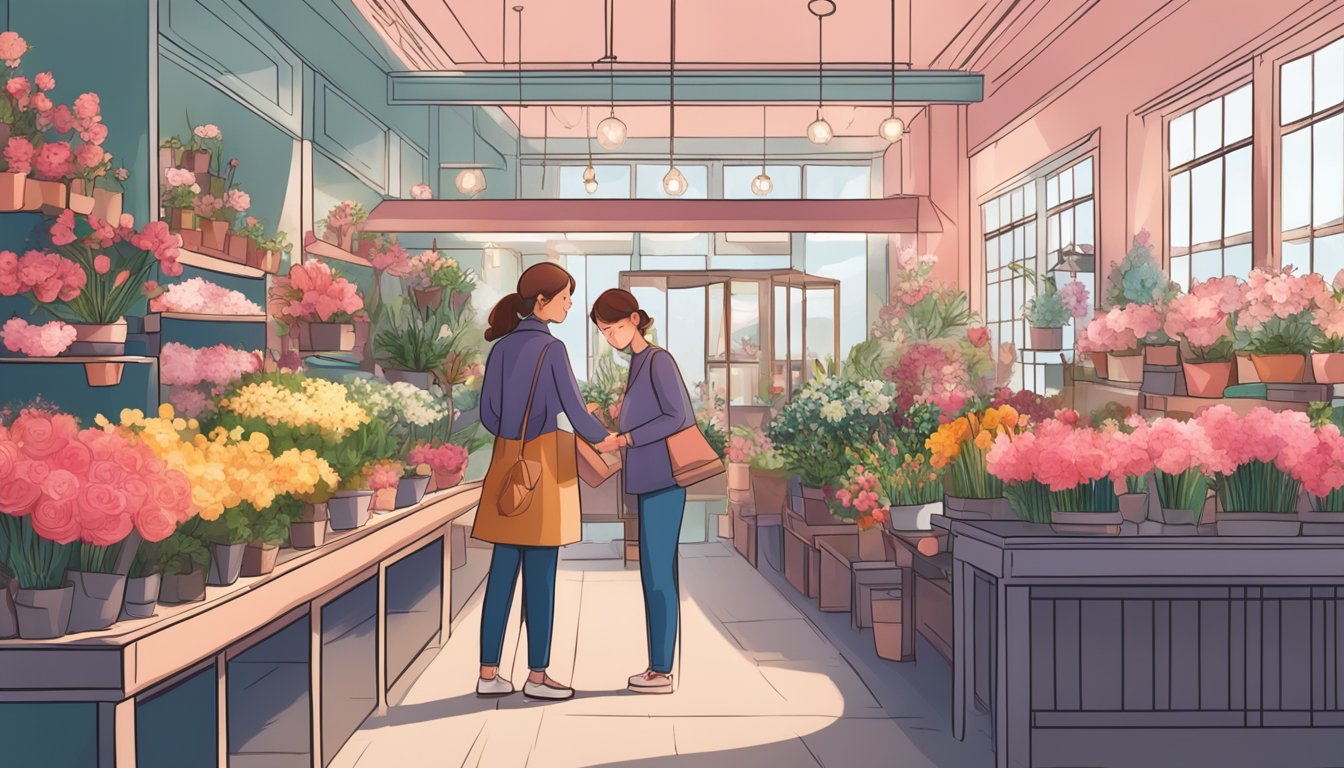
(871, 546)
(384, 499)
(1162, 354)
(331, 337)
(443, 479)
(182, 588)
(349, 509)
(142, 595)
(310, 530)
(1328, 367)
(1280, 369)
(101, 339)
(103, 374)
(191, 238)
(739, 476)
(962, 508)
(410, 490)
(1099, 360)
(214, 234)
(43, 614)
(1257, 524)
(226, 564)
(458, 300)
(1133, 507)
(49, 197)
(912, 517)
(9, 621)
(427, 298)
(769, 490)
(259, 558)
(1125, 368)
(1086, 523)
(1181, 522)
(81, 198)
(1047, 339)
(419, 379)
(196, 160)
(235, 248)
(107, 204)
(1314, 523)
(1207, 379)
(11, 191)
(97, 600)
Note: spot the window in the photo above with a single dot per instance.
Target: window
(1070, 224)
(824, 182)
(1209, 179)
(1010, 226)
(674, 244)
(787, 179)
(649, 181)
(1311, 112)
(843, 257)
(613, 182)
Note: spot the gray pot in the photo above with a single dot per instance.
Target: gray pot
(1321, 523)
(181, 588)
(1134, 507)
(349, 509)
(1258, 524)
(226, 562)
(410, 490)
(1179, 522)
(43, 613)
(331, 337)
(419, 379)
(9, 622)
(97, 600)
(142, 596)
(960, 508)
(1086, 523)
(912, 517)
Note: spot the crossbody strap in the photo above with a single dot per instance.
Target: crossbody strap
(536, 376)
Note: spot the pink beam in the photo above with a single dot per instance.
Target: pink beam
(892, 214)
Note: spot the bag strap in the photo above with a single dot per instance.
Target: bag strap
(536, 376)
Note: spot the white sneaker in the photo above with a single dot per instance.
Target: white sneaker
(651, 682)
(495, 686)
(550, 693)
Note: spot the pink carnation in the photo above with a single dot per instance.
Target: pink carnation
(44, 81)
(12, 48)
(220, 365)
(440, 458)
(19, 154)
(87, 107)
(46, 340)
(200, 296)
(91, 156)
(53, 161)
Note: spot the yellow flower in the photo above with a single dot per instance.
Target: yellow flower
(991, 421)
(984, 440)
(1008, 415)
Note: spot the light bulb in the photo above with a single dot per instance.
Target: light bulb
(892, 129)
(471, 181)
(590, 179)
(762, 185)
(674, 183)
(819, 132)
(590, 186)
(611, 132)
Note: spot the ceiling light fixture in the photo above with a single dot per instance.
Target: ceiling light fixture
(762, 185)
(819, 132)
(674, 183)
(589, 173)
(471, 181)
(893, 127)
(611, 131)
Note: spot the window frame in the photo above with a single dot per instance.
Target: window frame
(1310, 233)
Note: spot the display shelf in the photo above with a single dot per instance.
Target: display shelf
(153, 321)
(208, 261)
(314, 246)
(133, 359)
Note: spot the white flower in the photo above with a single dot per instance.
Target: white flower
(445, 332)
(833, 412)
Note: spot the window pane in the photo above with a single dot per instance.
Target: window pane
(837, 181)
(613, 181)
(1052, 192)
(992, 303)
(1082, 178)
(1237, 210)
(671, 262)
(1329, 256)
(1208, 127)
(1029, 238)
(1328, 172)
(673, 244)
(1029, 192)
(1180, 210)
(1237, 115)
(1297, 254)
(787, 179)
(1181, 145)
(1017, 204)
(1052, 228)
(1330, 75)
(843, 258)
(1083, 224)
(1296, 194)
(991, 210)
(1295, 90)
(649, 181)
(1205, 265)
(991, 254)
(1237, 260)
(1006, 300)
(1066, 192)
(1180, 271)
(1206, 195)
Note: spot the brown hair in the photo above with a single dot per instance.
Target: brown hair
(615, 305)
(543, 281)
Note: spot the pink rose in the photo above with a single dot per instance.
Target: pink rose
(45, 81)
(56, 521)
(12, 48)
(38, 433)
(155, 523)
(103, 471)
(74, 457)
(101, 264)
(978, 336)
(61, 485)
(18, 496)
(10, 455)
(90, 155)
(87, 106)
(53, 161)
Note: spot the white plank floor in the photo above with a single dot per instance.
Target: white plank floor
(760, 684)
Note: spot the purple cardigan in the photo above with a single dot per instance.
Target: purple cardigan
(656, 406)
(508, 378)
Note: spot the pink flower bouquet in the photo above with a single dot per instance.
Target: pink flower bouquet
(195, 376)
(1121, 330)
(313, 292)
(1329, 317)
(1203, 318)
(447, 457)
(49, 277)
(1261, 457)
(1058, 467)
(1178, 454)
(199, 296)
(47, 340)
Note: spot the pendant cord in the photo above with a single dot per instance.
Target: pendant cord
(764, 133)
(893, 56)
(672, 106)
(588, 135)
(821, 66)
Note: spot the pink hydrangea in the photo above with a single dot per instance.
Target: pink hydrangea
(237, 199)
(1262, 435)
(1075, 298)
(49, 276)
(384, 476)
(200, 296)
(53, 161)
(19, 89)
(1321, 467)
(19, 154)
(1121, 329)
(190, 402)
(44, 81)
(1198, 319)
(220, 365)
(46, 340)
(179, 177)
(1278, 294)
(439, 458)
(1329, 311)
(12, 48)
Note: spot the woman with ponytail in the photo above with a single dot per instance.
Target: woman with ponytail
(655, 407)
(529, 504)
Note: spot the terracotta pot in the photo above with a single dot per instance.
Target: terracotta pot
(331, 337)
(169, 157)
(1280, 369)
(259, 558)
(9, 621)
(11, 191)
(97, 600)
(1099, 364)
(428, 298)
(191, 238)
(226, 563)
(196, 160)
(349, 509)
(1162, 354)
(419, 379)
(103, 374)
(81, 198)
(142, 595)
(107, 204)
(912, 517)
(50, 197)
(1257, 524)
(310, 530)
(1246, 373)
(260, 258)
(1125, 368)
(235, 248)
(962, 508)
(182, 588)
(769, 490)
(443, 479)
(410, 490)
(384, 499)
(1086, 523)
(739, 476)
(214, 234)
(1207, 379)
(1328, 367)
(101, 339)
(181, 219)
(1047, 339)
(43, 614)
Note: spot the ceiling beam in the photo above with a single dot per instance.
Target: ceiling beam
(729, 86)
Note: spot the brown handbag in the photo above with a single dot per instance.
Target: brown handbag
(515, 494)
(693, 459)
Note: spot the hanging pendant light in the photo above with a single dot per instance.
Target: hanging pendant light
(819, 132)
(893, 127)
(471, 181)
(674, 183)
(589, 173)
(762, 185)
(611, 132)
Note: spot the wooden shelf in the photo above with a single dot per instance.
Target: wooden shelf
(313, 246)
(133, 359)
(216, 264)
(153, 320)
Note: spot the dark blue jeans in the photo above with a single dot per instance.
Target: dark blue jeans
(538, 564)
(660, 516)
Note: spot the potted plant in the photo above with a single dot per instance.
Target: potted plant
(1327, 355)
(170, 153)
(1051, 308)
(92, 163)
(19, 136)
(447, 462)
(318, 302)
(262, 252)
(906, 488)
(179, 199)
(182, 563)
(342, 223)
(1139, 279)
(1203, 320)
(143, 583)
(1322, 472)
(413, 343)
(959, 448)
(1120, 333)
(267, 532)
(383, 478)
(1257, 458)
(205, 144)
(1176, 456)
(309, 529)
(9, 620)
(413, 485)
(430, 274)
(1277, 327)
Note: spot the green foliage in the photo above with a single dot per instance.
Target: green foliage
(814, 431)
(866, 360)
(412, 339)
(714, 435)
(1296, 335)
(181, 553)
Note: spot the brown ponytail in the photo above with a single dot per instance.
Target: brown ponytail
(543, 281)
(615, 305)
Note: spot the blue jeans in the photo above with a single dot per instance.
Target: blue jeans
(538, 565)
(660, 516)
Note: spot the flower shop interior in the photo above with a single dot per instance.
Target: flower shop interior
(1014, 325)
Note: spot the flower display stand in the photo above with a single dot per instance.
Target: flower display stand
(925, 600)
(802, 557)
(840, 560)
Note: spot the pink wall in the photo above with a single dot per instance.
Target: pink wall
(929, 161)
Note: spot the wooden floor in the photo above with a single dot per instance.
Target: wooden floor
(760, 684)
